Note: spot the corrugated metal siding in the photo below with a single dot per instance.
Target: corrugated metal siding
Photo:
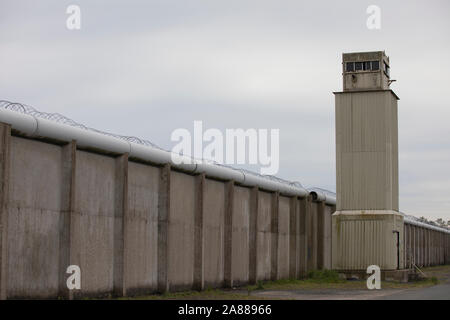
(363, 242)
(366, 151)
(426, 247)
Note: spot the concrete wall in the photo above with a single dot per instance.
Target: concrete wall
(425, 247)
(311, 222)
(141, 228)
(283, 238)
(213, 226)
(107, 215)
(33, 210)
(135, 228)
(181, 231)
(240, 236)
(94, 222)
(264, 236)
(302, 237)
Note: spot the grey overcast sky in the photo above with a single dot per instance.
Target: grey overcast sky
(145, 68)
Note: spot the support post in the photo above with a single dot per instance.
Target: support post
(321, 235)
(228, 234)
(163, 228)
(303, 239)
(293, 231)
(253, 227)
(5, 156)
(199, 280)
(309, 235)
(69, 152)
(120, 214)
(274, 236)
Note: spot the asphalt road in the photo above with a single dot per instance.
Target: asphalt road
(438, 292)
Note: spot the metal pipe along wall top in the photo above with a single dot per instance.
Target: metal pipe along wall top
(31, 124)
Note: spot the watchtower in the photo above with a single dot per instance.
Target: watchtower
(367, 225)
(365, 71)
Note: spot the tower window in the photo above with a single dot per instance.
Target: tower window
(358, 66)
(375, 65)
(350, 66)
(366, 65)
(386, 69)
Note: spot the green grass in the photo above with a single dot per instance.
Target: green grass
(316, 278)
(260, 285)
(211, 294)
(324, 276)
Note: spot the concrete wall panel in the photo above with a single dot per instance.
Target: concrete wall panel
(141, 228)
(283, 238)
(240, 246)
(181, 231)
(33, 218)
(263, 236)
(302, 237)
(93, 221)
(314, 234)
(213, 233)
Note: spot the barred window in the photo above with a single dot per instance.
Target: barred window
(350, 66)
(375, 65)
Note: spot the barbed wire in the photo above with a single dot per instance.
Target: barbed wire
(59, 118)
(426, 221)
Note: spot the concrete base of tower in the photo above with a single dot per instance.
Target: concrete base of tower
(367, 237)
